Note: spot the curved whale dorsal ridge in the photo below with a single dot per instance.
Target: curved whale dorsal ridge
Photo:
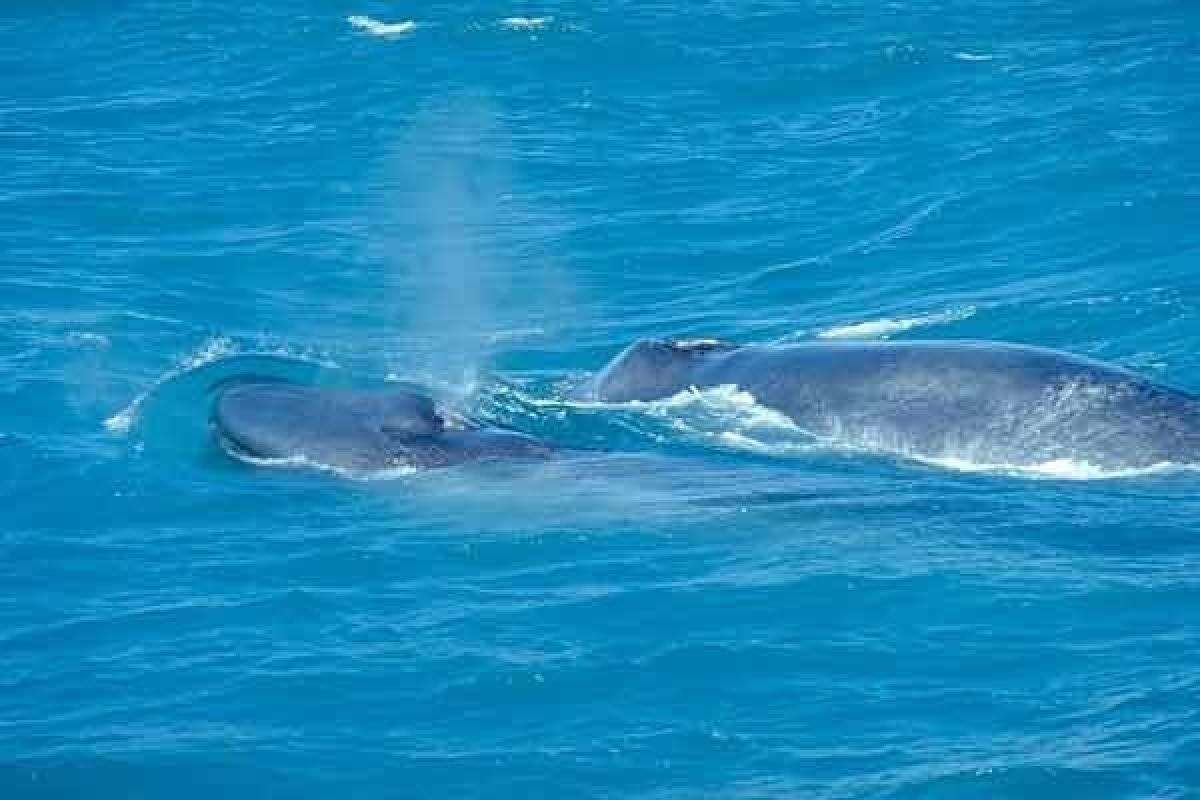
(650, 369)
(405, 413)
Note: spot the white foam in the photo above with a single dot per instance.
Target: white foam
(525, 23)
(1063, 469)
(741, 441)
(723, 400)
(86, 338)
(883, 328)
(379, 28)
(731, 417)
(122, 421)
(973, 56)
(726, 396)
(725, 415)
(305, 463)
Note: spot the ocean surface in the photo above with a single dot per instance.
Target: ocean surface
(492, 200)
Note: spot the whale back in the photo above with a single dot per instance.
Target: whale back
(329, 426)
(354, 430)
(983, 402)
(650, 369)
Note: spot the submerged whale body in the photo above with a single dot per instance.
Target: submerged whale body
(984, 402)
(354, 430)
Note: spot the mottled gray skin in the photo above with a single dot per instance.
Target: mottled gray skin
(355, 430)
(981, 401)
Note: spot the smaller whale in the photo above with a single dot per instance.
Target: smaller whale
(986, 402)
(355, 430)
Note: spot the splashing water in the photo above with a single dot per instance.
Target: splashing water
(728, 416)
(212, 350)
(209, 353)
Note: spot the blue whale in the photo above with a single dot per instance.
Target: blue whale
(985, 402)
(355, 430)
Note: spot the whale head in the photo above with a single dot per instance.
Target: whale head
(334, 427)
(650, 369)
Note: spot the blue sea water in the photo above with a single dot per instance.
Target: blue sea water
(492, 201)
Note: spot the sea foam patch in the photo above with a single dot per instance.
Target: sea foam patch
(883, 328)
(376, 27)
(525, 23)
(965, 56)
(1062, 469)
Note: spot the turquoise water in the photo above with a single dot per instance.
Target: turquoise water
(492, 202)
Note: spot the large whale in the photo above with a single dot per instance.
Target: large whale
(983, 402)
(355, 430)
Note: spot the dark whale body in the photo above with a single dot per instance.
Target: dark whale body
(354, 430)
(985, 402)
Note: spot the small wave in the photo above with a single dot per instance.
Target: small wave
(378, 28)
(525, 23)
(514, 335)
(88, 339)
(210, 351)
(883, 328)
(962, 56)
